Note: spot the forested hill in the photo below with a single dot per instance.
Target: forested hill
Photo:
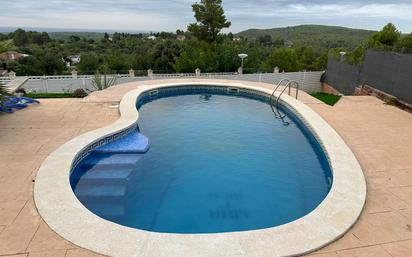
(67, 35)
(317, 36)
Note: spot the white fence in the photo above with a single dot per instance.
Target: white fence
(308, 81)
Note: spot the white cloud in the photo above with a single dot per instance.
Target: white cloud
(170, 15)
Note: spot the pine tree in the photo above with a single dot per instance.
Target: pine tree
(210, 19)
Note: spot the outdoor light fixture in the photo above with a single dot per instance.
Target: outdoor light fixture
(242, 56)
(342, 56)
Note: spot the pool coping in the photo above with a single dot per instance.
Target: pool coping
(63, 212)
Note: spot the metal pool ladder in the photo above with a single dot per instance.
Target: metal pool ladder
(288, 85)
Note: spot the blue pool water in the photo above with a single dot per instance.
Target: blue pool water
(216, 163)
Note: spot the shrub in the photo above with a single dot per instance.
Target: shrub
(20, 91)
(79, 93)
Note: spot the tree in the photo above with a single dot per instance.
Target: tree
(321, 62)
(20, 37)
(385, 39)
(27, 66)
(284, 58)
(357, 56)
(6, 46)
(106, 36)
(89, 63)
(197, 54)
(405, 44)
(51, 63)
(40, 38)
(265, 40)
(117, 63)
(210, 19)
(74, 38)
(307, 57)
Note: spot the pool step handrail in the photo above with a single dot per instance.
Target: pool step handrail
(277, 86)
(288, 85)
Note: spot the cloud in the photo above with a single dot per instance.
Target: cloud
(156, 15)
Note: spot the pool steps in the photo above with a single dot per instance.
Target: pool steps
(114, 159)
(103, 188)
(84, 190)
(112, 209)
(133, 143)
(102, 172)
(105, 184)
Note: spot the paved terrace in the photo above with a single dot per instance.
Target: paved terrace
(380, 135)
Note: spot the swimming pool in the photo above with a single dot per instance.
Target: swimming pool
(220, 160)
(59, 207)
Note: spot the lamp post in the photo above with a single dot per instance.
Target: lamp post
(342, 56)
(242, 57)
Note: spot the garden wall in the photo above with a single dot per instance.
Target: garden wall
(386, 71)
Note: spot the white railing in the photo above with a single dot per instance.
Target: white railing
(310, 81)
(155, 75)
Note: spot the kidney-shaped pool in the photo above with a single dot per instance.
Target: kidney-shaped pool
(219, 160)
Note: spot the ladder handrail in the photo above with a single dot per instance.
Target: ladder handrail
(278, 85)
(277, 112)
(288, 86)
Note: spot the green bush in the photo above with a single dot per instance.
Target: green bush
(79, 93)
(49, 95)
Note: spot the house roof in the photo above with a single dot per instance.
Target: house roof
(11, 56)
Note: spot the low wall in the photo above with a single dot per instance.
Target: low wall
(308, 81)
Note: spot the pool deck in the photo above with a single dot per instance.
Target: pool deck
(380, 136)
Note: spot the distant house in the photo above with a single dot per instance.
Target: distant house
(180, 37)
(151, 37)
(12, 56)
(74, 59)
(236, 39)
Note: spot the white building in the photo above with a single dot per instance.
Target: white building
(74, 59)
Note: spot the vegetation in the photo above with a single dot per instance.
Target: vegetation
(6, 45)
(210, 19)
(316, 36)
(327, 98)
(100, 82)
(79, 93)
(49, 95)
(4, 91)
(387, 39)
(203, 46)
(63, 36)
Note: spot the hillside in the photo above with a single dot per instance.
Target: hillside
(66, 35)
(317, 36)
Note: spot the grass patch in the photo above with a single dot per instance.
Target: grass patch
(49, 95)
(326, 98)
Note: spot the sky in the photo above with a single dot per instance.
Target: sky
(169, 15)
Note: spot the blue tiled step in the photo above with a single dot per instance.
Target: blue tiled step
(107, 208)
(86, 191)
(132, 143)
(103, 172)
(130, 159)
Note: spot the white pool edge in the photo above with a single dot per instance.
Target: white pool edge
(63, 212)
